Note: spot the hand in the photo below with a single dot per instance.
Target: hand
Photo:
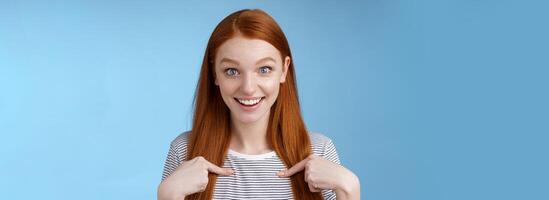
(324, 174)
(189, 178)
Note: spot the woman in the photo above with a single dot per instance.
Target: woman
(248, 139)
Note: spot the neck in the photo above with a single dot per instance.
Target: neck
(250, 138)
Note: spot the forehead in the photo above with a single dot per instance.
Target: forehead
(245, 50)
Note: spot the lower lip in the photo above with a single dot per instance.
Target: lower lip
(250, 108)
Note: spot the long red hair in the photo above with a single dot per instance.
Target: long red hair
(286, 131)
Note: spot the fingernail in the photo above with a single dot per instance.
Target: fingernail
(280, 173)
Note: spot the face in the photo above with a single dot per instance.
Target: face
(249, 73)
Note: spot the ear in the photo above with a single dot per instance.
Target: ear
(287, 62)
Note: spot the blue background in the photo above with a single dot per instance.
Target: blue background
(423, 99)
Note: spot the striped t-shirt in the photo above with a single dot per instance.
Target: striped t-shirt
(255, 175)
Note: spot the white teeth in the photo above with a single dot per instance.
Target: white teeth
(249, 102)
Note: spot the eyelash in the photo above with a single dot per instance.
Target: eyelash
(237, 73)
(228, 69)
(266, 67)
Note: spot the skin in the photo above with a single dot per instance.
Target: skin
(248, 68)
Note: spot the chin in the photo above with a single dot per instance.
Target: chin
(247, 118)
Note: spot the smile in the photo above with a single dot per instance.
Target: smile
(249, 102)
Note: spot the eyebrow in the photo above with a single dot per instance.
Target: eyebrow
(236, 62)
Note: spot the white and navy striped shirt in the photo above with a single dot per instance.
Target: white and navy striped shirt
(255, 175)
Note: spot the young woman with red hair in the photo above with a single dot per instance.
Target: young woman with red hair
(248, 138)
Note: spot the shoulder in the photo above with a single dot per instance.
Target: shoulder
(320, 143)
(181, 138)
(179, 144)
(318, 138)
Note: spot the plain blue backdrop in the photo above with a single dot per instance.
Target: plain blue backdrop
(423, 99)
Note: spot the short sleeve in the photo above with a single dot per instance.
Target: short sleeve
(176, 155)
(171, 163)
(329, 152)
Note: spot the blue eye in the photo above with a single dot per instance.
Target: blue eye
(231, 72)
(265, 69)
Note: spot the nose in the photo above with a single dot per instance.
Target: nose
(249, 85)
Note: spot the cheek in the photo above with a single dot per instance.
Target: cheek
(271, 88)
(227, 87)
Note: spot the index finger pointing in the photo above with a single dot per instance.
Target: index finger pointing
(294, 169)
(218, 170)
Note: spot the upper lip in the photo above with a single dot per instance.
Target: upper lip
(248, 98)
